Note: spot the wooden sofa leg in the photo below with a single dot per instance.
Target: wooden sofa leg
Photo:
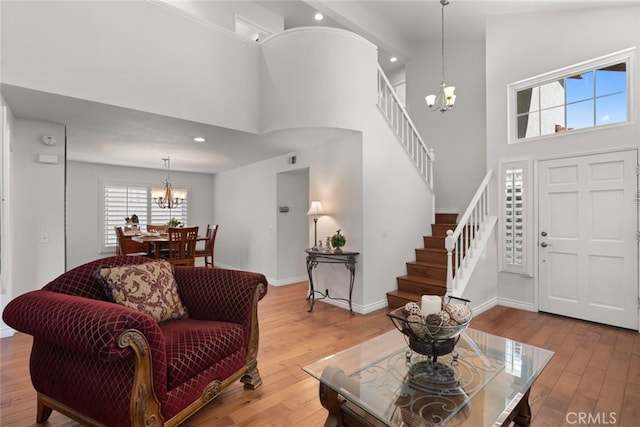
(252, 379)
(44, 412)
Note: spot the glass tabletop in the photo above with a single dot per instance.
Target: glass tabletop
(479, 383)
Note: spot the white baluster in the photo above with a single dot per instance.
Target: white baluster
(449, 244)
(466, 241)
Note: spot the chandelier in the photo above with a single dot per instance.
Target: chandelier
(445, 99)
(167, 197)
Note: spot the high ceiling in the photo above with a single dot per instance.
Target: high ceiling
(106, 134)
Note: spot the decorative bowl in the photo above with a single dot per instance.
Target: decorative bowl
(427, 339)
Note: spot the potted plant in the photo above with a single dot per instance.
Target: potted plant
(174, 223)
(338, 241)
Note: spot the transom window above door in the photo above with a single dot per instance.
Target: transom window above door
(585, 96)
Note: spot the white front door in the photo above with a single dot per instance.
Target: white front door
(587, 246)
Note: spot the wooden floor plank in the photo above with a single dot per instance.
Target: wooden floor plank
(596, 368)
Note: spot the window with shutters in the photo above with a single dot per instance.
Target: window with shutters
(123, 201)
(513, 216)
(514, 229)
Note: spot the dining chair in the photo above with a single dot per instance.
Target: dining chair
(182, 245)
(209, 246)
(126, 246)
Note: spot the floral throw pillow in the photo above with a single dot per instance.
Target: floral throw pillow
(149, 288)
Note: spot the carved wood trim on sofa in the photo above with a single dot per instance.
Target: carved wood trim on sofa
(145, 407)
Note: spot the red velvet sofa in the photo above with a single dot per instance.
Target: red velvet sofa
(102, 363)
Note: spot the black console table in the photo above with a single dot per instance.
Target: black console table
(319, 257)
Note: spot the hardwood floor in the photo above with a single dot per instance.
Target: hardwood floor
(595, 371)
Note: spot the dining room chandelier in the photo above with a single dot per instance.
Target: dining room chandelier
(446, 98)
(167, 197)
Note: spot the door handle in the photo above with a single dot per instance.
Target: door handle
(544, 244)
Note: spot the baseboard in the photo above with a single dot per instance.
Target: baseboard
(516, 304)
(270, 280)
(370, 308)
(224, 266)
(485, 306)
(288, 281)
(357, 308)
(7, 332)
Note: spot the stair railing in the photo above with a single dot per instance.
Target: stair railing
(461, 242)
(407, 133)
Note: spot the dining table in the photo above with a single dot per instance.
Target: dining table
(157, 241)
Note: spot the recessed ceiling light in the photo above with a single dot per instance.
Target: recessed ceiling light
(318, 16)
(199, 139)
(393, 59)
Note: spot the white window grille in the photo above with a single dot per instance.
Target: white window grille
(585, 96)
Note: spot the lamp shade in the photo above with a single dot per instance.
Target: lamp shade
(431, 100)
(449, 91)
(315, 209)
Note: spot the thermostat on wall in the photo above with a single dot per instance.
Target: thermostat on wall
(48, 159)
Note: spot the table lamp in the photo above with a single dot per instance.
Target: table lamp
(315, 210)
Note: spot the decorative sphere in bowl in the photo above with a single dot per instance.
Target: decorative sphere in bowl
(435, 334)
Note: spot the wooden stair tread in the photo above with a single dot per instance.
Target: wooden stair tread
(406, 295)
(423, 280)
(427, 264)
(438, 250)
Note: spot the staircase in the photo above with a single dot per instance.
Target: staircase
(427, 275)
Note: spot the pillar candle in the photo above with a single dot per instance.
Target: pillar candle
(430, 304)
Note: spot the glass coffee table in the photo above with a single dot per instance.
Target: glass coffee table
(485, 381)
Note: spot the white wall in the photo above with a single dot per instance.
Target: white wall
(481, 289)
(37, 206)
(138, 55)
(397, 211)
(458, 137)
(369, 190)
(84, 204)
(292, 188)
(222, 13)
(7, 123)
(317, 77)
(518, 48)
(245, 201)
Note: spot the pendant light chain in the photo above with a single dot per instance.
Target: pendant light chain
(444, 3)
